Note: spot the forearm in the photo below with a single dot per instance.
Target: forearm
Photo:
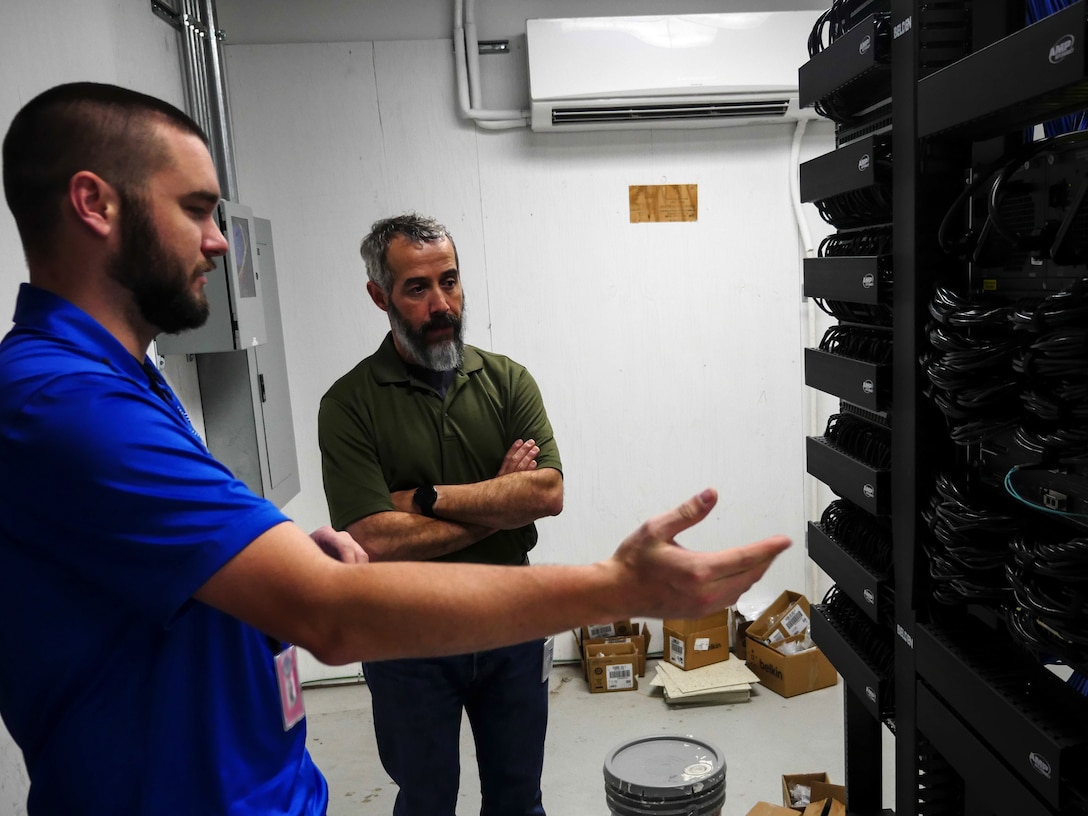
(433, 609)
(397, 536)
(286, 586)
(505, 502)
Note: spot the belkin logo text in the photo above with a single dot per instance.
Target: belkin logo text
(770, 669)
(1062, 48)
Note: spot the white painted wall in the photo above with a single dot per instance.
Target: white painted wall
(669, 355)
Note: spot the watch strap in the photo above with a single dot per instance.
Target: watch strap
(424, 499)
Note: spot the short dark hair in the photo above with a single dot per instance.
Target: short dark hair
(419, 229)
(105, 129)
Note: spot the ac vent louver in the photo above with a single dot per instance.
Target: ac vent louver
(766, 109)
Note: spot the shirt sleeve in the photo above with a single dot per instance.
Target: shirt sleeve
(529, 420)
(118, 489)
(351, 470)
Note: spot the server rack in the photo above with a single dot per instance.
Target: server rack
(927, 98)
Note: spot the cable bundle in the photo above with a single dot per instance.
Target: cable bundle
(969, 548)
(859, 534)
(1050, 582)
(864, 241)
(1054, 368)
(999, 182)
(873, 314)
(858, 343)
(836, 21)
(970, 367)
(872, 642)
(857, 208)
(860, 439)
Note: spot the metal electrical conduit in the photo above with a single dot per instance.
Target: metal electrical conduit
(205, 82)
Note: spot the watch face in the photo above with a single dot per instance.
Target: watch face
(425, 498)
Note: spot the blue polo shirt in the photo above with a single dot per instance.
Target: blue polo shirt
(125, 695)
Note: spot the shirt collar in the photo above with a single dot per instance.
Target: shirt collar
(40, 310)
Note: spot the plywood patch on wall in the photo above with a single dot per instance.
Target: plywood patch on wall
(652, 203)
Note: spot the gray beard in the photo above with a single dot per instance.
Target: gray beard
(444, 356)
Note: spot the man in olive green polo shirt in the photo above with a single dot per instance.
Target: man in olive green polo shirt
(433, 450)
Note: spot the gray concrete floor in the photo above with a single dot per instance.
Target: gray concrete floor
(761, 740)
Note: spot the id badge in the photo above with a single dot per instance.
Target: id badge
(291, 706)
(549, 654)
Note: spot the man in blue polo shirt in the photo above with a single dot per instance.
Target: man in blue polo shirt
(149, 599)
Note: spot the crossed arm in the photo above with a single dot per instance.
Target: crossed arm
(518, 494)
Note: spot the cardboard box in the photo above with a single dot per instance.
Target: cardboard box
(790, 675)
(621, 628)
(639, 637)
(691, 643)
(767, 809)
(788, 616)
(825, 807)
(806, 780)
(786, 620)
(611, 667)
(738, 627)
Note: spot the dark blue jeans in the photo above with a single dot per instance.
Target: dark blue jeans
(417, 722)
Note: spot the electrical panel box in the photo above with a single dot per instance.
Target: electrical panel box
(235, 292)
(246, 399)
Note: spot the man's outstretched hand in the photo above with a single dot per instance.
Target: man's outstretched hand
(675, 582)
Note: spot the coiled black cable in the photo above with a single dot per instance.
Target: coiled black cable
(860, 439)
(969, 547)
(1050, 585)
(860, 534)
(858, 343)
(864, 241)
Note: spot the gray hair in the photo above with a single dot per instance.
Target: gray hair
(416, 228)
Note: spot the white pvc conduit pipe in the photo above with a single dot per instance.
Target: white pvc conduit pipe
(466, 57)
(811, 492)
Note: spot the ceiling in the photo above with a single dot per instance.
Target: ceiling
(282, 21)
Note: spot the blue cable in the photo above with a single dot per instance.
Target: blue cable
(1079, 682)
(1013, 492)
(1036, 10)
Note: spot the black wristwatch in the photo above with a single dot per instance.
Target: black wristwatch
(424, 498)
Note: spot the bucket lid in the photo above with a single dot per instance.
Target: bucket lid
(664, 767)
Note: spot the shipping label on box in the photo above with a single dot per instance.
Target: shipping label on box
(620, 628)
(771, 626)
(611, 667)
(640, 637)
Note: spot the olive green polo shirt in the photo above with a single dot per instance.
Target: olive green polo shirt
(381, 430)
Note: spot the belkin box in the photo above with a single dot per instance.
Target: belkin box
(691, 643)
(786, 621)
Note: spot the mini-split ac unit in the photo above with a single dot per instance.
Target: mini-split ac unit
(679, 71)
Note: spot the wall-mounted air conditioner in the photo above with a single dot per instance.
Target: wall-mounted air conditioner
(679, 71)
